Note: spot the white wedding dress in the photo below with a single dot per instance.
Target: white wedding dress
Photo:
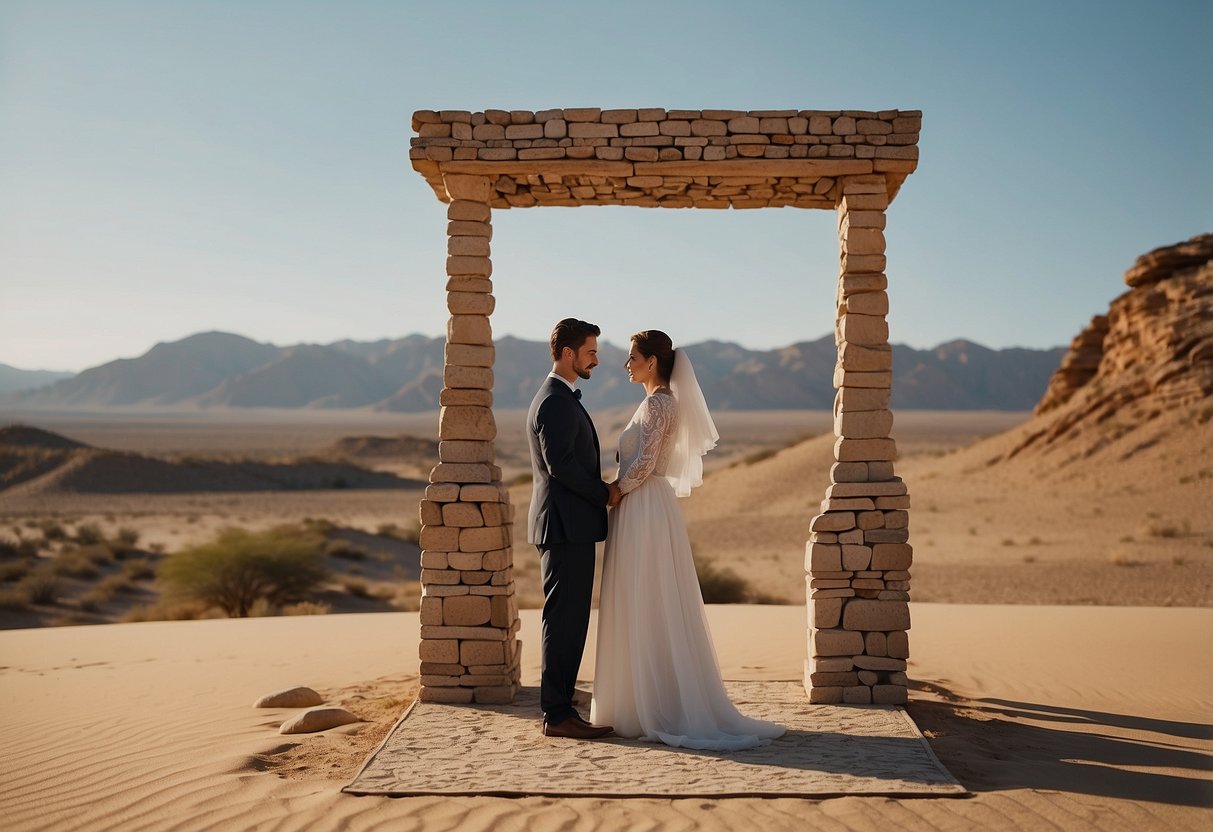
(656, 675)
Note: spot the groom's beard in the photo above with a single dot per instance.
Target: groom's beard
(583, 372)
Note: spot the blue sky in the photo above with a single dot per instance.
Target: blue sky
(174, 167)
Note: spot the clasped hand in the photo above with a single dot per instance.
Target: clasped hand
(616, 495)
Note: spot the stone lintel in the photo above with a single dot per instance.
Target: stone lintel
(799, 168)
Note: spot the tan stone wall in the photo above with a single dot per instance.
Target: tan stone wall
(665, 158)
(858, 556)
(469, 613)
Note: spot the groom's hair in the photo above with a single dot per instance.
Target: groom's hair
(571, 333)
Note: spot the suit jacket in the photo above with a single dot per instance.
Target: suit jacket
(568, 496)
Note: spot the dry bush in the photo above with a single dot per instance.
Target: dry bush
(1157, 528)
(14, 599)
(15, 570)
(344, 549)
(88, 534)
(280, 565)
(42, 586)
(408, 596)
(166, 611)
(53, 531)
(410, 533)
(356, 587)
(74, 563)
(307, 608)
(720, 586)
(138, 570)
(114, 584)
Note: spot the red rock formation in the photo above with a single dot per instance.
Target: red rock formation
(1152, 352)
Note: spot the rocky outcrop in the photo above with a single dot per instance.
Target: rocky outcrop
(1152, 352)
(1078, 366)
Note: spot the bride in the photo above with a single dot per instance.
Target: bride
(656, 675)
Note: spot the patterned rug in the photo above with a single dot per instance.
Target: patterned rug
(499, 750)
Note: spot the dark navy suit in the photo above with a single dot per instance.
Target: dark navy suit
(567, 517)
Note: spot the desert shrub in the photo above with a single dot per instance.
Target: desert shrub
(760, 456)
(42, 586)
(127, 538)
(88, 534)
(70, 619)
(720, 586)
(320, 525)
(165, 611)
(408, 596)
(74, 563)
(98, 553)
(53, 531)
(231, 572)
(92, 600)
(14, 570)
(356, 587)
(14, 599)
(1157, 528)
(8, 549)
(307, 608)
(27, 547)
(410, 533)
(113, 584)
(138, 570)
(261, 608)
(344, 549)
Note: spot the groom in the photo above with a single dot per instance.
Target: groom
(568, 516)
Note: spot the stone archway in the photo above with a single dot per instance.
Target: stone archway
(858, 554)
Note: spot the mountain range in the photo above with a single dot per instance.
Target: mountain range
(223, 370)
(13, 380)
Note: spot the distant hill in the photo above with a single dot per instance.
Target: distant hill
(13, 380)
(36, 461)
(222, 370)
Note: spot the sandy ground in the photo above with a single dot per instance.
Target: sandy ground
(1054, 718)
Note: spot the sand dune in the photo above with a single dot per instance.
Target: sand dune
(1121, 520)
(150, 726)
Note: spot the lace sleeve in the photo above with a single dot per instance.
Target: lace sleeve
(656, 426)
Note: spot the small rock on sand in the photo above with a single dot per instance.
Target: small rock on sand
(299, 697)
(317, 719)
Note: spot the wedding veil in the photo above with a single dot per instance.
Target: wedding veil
(696, 433)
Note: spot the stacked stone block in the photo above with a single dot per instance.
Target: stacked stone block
(859, 556)
(469, 612)
(665, 158)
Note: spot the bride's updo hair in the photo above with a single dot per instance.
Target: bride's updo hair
(653, 343)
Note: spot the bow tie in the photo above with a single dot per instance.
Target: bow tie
(576, 394)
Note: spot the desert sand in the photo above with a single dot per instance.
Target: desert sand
(1089, 716)
(1070, 718)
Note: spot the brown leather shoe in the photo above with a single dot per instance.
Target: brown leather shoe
(584, 721)
(576, 729)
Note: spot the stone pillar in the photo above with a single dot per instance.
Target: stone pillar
(469, 613)
(858, 555)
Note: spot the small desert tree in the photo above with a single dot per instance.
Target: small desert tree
(239, 567)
